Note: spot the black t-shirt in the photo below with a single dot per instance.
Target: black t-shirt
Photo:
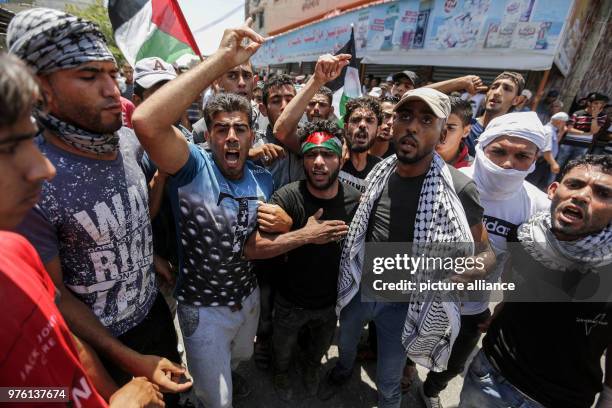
(309, 277)
(550, 351)
(393, 215)
(349, 175)
(390, 150)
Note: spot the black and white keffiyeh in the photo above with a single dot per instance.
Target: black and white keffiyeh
(50, 40)
(78, 138)
(590, 252)
(431, 325)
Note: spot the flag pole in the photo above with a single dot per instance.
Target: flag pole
(183, 22)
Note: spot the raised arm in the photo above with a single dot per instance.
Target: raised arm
(154, 119)
(469, 83)
(327, 69)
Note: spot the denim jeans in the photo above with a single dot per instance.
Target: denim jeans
(216, 340)
(484, 386)
(567, 153)
(389, 318)
(288, 320)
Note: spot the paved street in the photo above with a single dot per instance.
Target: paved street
(360, 392)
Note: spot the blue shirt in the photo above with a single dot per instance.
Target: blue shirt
(214, 217)
(472, 138)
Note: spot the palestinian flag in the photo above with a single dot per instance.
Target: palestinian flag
(347, 85)
(151, 28)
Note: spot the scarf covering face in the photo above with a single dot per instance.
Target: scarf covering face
(590, 252)
(78, 138)
(497, 183)
(431, 325)
(322, 139)
(494, 182)
(50, 40)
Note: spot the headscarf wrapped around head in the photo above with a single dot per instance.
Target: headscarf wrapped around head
(50, 40)
(525, 125)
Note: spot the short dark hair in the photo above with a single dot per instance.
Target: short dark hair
(389, 98)
(327, 92)
(596, 96)
(515, 77)
(138, 90)
(275, 81)
(18, 89)
(365, 102)
(327, 126)
(227, 102)
(603, 161)
(461, 108)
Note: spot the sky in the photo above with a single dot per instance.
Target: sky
(208, 18)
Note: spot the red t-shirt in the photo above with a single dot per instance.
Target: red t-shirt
(127, 109)
(36, 347)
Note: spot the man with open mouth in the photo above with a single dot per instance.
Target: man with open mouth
(215, 196)
(503, 95)
(548, 354)
(361, 121)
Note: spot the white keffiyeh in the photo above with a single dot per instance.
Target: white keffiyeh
(590, 252)
(431, 325)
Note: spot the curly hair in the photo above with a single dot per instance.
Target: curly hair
(18, 89)
(327, 126)
(275, 81)
(365, 102)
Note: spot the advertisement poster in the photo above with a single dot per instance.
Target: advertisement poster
(507, 34)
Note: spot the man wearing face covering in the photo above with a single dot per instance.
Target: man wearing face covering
(505, 155)
(91, 226)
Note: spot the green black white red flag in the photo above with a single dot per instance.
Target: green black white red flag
(347, 86)
(151, 28)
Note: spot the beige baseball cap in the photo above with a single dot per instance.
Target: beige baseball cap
(436, 100)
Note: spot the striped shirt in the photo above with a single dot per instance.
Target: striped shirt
(581, 120)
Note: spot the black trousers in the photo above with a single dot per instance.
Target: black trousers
(154, 335)
(289, 320)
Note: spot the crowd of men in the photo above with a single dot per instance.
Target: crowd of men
(249, 219)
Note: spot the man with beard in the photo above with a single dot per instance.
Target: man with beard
(306, 284)
(91, 226)
(503, 95)
(31, 322)
(505, 155)
(284, 108)
(215, 198)
(383, 147)
(548, 354)
(398, 206)
(361, 121)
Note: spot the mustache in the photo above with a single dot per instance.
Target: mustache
(409, 136)
(232, 145)
(360, 132)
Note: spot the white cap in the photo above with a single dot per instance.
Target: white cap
(375, 92)
(187, 61)
(436, 100)
(150, 71)
(527, 94)
(560, 116)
